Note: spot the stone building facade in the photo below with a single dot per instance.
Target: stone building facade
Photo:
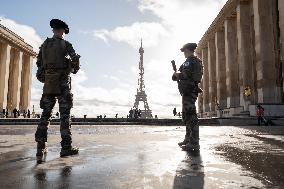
(16, 57)
(243, 57)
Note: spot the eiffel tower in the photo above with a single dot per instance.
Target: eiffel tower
(141, 94)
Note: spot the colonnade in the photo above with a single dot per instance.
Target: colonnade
(16, 59)
(242, 54)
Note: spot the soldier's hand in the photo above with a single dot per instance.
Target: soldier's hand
(176, 76)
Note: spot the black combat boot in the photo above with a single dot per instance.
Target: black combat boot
(41, 151)
(186, 137)
(68, 151)
(185, 141)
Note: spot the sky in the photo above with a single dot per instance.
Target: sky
(107, 33)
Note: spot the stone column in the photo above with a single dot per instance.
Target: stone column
(232, 67)
(25, 94)
(4, 73)
(212, 74)
(200, 100)
(205, 80)
(268, 91)
(15, 80)
(221, 69)
(245, 49)
(281, 26)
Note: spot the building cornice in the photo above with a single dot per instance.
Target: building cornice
(7, 35)
(227, 12)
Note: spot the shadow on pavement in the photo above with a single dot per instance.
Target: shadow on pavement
(190, 172)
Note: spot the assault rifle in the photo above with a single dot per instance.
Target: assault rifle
(175, 70)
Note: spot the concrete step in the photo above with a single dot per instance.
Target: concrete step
(242, 114)
(233, 121)
(108, 121)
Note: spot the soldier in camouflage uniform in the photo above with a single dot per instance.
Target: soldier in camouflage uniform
(188, 77)
(55, 61)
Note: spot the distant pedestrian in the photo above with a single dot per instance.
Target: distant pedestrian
(15, 112)
(29, 114)
(116, 115)
(260, 114)
(131, 113)
(7, 113)
(4, 112)
(57, 114)
(105, 116)
(136, 113)
(140, 113)
(175, 111)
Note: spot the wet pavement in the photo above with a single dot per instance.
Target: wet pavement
(145, 157)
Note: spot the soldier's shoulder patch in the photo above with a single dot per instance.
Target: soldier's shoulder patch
(186, 64)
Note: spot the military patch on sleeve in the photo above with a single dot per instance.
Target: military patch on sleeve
(186, 64)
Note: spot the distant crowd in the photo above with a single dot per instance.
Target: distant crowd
(175, 113)
(134, 113)
(15, 113)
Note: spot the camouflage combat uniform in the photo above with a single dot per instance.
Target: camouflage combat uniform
(54, 71)
(191, 73)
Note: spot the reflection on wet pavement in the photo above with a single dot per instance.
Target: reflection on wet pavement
(145, 157)
(190, 172)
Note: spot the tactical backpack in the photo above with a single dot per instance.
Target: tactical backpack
(54, 64)
(53, 54)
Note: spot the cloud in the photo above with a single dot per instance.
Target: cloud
(179, 20)
(26, 32)
(150, 32)
(111, 77)
(98, 100)
(102, 34)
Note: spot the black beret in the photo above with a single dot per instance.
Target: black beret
(59, 24)
(189, 46)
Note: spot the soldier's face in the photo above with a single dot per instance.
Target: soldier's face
(186, 53)
(59, 32)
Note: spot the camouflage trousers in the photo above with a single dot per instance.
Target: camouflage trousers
(190, 119)
(47, 102)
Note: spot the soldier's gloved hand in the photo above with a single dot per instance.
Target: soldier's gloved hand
(76, 64)
(40, 74)
(176, 76)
